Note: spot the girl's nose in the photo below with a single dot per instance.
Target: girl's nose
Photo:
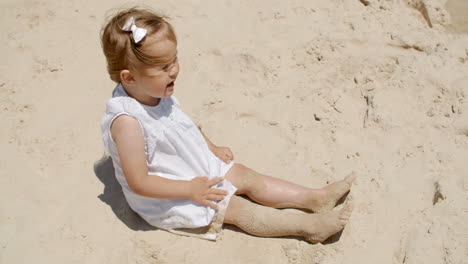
(174, 70)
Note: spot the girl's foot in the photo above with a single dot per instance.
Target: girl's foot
(327, 224)
(326, 198)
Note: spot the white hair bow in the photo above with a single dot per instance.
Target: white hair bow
(138, 33)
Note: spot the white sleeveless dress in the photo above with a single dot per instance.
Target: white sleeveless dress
(175, 149)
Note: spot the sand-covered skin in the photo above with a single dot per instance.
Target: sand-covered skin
(309, 90)
(264, 221)
(326, 199)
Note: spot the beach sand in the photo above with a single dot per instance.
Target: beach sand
(306, 91)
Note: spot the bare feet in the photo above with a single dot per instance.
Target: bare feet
(326, 224)
(326, 198)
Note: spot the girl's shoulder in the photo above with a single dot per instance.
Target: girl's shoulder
(127, 105)
(124, 104)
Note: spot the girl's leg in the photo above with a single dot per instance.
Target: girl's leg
(279, 193)
(269, 222)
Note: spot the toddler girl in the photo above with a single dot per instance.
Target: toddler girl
(171, 174)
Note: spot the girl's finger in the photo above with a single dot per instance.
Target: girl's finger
(210, 204)
(218, 191)
(215, 181)
(215, 197)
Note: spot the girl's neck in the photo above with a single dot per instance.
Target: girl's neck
(148, 101)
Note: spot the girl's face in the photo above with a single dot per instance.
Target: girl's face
(154, 82)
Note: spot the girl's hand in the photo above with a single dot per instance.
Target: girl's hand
(223, 153)
(202, 193)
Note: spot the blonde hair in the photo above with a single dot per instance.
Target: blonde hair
(119, 47)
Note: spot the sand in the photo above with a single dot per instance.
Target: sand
(303, 90)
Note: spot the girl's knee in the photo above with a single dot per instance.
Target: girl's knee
(239, 175)
(237, 206)
(232, 210)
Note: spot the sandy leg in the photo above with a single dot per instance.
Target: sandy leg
(279, 193)
(269, 222)
(325, 199)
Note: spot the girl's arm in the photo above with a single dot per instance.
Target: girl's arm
(127, 135)
(211, 146)
(223, 153)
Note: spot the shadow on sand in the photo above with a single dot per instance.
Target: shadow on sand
(114, 197)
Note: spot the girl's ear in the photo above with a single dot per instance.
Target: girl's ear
(126, 77)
